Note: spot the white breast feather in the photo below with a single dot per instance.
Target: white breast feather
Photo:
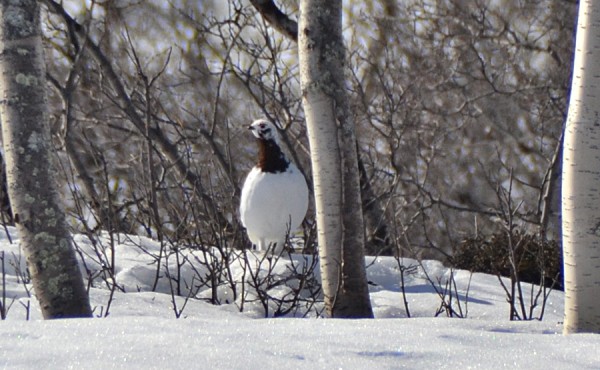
(273, 204)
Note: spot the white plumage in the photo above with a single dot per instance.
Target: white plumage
(274, 196)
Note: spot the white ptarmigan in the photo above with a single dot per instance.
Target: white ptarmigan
(275, 195)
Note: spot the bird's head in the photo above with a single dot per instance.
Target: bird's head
(263, 129)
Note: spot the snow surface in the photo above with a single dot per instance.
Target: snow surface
(142, 331)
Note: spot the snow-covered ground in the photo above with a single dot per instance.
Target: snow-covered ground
(141, 329)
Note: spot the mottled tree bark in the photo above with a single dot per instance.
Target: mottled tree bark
(581, 179)
(334, 159)
(32, 187)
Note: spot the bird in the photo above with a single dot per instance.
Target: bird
(274, 196)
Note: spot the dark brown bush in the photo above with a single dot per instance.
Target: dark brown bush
(537, 261)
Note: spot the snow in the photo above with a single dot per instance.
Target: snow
(142, 331)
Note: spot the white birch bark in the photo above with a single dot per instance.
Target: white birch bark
(32, 189)
(581, 180)
(334, 159)
(326, 169)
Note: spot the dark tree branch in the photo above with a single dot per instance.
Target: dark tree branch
(124, 102)
(276, 18)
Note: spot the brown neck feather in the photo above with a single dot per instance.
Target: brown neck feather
(270, 157)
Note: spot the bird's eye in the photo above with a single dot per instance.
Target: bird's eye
(262, 125)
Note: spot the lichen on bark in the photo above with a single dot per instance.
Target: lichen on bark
(31, 185)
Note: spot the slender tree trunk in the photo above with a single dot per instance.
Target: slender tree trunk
(551, 218)
(334, 159)
(32, 188)
(581, 179)
(376, 228)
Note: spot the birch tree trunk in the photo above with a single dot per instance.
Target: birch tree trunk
(581, 180)
(32, 188)
(334, 159)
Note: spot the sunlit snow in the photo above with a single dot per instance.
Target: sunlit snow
(142, 331)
